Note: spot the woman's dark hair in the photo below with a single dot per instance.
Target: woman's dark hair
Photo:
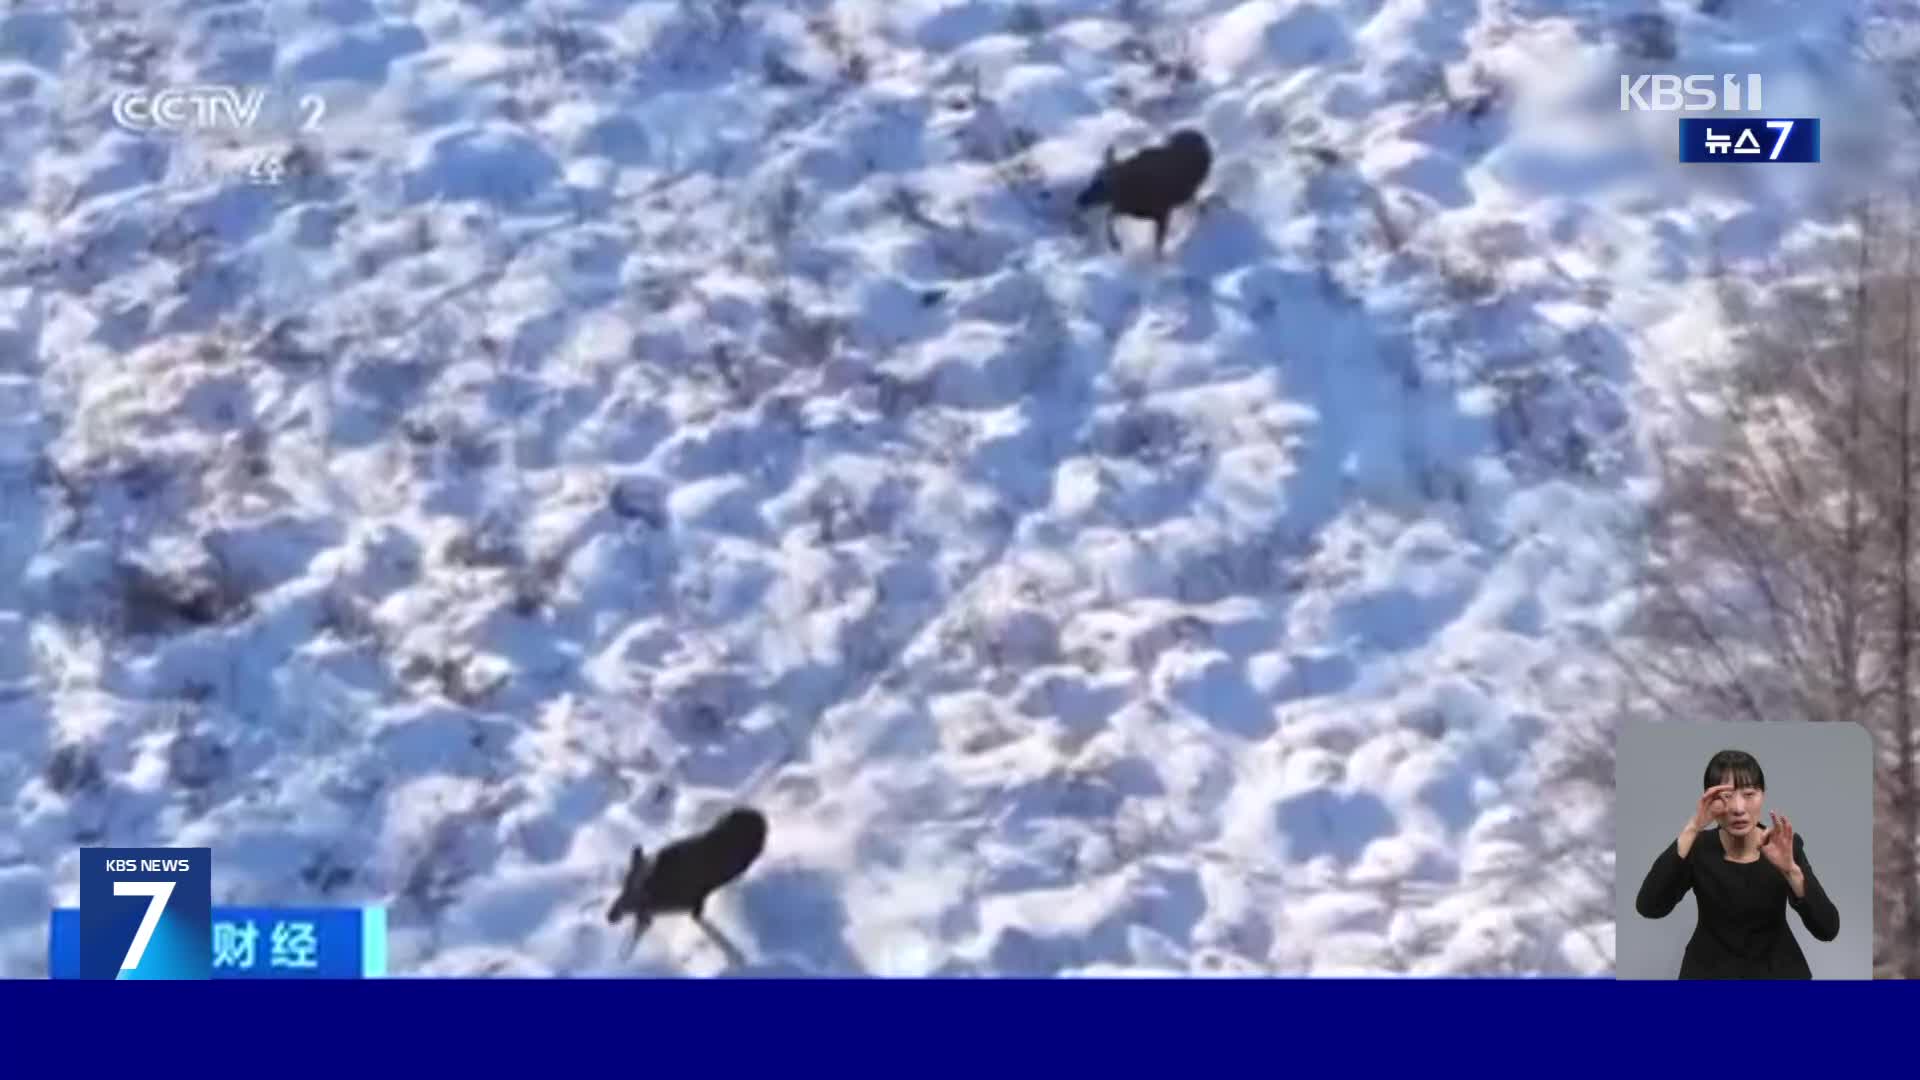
(1736, 767)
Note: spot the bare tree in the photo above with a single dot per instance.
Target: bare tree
(1901, 902)
(1779, 573)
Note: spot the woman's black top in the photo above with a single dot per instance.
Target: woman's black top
(1742, 932)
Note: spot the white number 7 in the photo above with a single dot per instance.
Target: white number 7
(1785, 128)
(158, 891)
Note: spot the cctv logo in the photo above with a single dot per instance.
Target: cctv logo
(1694, 93)
(188, 108)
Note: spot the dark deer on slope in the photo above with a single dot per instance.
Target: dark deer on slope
(1151, 183)
(687, 871)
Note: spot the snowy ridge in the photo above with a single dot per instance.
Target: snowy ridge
(628, 408)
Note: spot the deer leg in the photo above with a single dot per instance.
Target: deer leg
(1113, 238)
(733, 952)
(640, 924)
(1160, 235)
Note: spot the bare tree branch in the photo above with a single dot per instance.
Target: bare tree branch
(1779, 577)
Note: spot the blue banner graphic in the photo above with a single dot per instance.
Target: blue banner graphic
(1092, 1028)
(1775, 141)
(263, 943)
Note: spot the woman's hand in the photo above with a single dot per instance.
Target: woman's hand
(1776, 844)
(1709, 806)
(1703, 814)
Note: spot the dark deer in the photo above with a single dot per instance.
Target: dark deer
(687, 871)
(1151, 183)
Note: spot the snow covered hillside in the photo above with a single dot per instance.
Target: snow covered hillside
(621, 410)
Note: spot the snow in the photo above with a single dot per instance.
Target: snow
(627, 409)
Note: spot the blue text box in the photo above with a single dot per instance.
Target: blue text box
(263, 943)
(1760, 141)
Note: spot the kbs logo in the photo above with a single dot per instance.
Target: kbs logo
(146, 913)
(1693, 93)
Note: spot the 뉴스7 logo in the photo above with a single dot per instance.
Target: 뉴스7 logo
(202, 107)
(157, 893)
(1665, 93)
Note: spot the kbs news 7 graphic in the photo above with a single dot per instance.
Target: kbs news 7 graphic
(148, 913)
